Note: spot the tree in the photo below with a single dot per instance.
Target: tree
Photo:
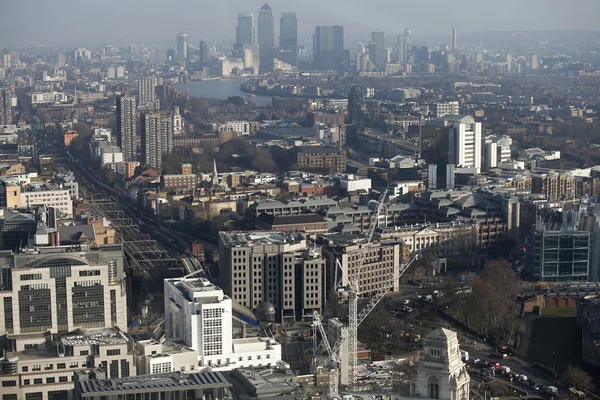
(83, 130)
(262, 161)
(235, 100)
(382, 332)
(579, 378)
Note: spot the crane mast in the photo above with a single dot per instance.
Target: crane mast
(353, 296)
(355, 318)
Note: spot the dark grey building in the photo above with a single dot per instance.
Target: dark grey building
(266, 36)
(244, 32)
(203, 53)
(288, 32)
(126, 129)
(377, 49)
(328, 46)
(356, 104)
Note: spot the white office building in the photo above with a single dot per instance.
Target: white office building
(464, 142)
(58, 198)
(48, 98)
(446, 108)
(199, 314)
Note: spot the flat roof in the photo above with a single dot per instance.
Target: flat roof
(154, 382)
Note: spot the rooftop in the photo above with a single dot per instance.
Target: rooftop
(82, 337)
(261, 238)
(158, 382)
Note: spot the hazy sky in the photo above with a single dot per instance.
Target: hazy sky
(118, 21)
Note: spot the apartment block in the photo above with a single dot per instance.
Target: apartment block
(322, 158)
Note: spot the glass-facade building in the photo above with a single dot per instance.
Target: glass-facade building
(58, 290)
(562, 255)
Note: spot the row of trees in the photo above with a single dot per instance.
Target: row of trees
(491, 308)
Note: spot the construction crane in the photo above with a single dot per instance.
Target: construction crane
(354, 293)
(354, 317)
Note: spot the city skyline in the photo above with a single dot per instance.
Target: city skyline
(434, 18)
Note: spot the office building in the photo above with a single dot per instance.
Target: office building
(454, 39)
(275, 267)
(47, 195)
(464, 142)
(126, 127)
(157, 138)
(199, 315)
(203, 53)
(288, 32)
(182, 46)
(146, 90)
(444, 239)
(327, 40)
(5, 106)
(400, 49)
(59, 290)
(446, 108)
(407, 46)
(379, 267)
(377, 52)
(45, 366)
(244, 32)
(566, 244)
(533, 61)
(266, 36)
(356, 104)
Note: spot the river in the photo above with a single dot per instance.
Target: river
(220, 89)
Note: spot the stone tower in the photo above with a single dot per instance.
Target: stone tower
(441, 374)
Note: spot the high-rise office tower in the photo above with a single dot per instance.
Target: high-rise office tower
(244, 32)
(5, 106)
(356, 104)
(533, 61)
(146, 90)
(60, 60)
(182, 46)
(464, 142)
(400, 49)
(509, 60)
(288, 32)
(203, 52)
(157, 138)
(378, 40)
(266, 36)
(453, 38)
(406, 45)
(126, 127)
(327, 39)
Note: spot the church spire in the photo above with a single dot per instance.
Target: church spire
(215, 174)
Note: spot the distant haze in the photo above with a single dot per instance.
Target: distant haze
(120, 21)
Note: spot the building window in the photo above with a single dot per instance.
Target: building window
(63, 379)
(37, 381)
(9, 383)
